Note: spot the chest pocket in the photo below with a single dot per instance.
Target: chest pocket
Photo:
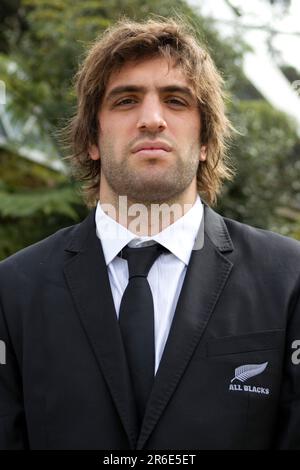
(259, 341)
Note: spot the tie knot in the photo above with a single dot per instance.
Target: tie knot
(140, 260)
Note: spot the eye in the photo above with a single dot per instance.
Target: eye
(125, 101)
(176, 101)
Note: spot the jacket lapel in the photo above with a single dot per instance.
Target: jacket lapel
(205, 279)
(88, 281)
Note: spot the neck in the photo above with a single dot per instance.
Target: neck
(146, 218)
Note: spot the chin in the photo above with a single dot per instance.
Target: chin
(153, 193)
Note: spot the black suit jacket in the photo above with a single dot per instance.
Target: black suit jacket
(226, 378)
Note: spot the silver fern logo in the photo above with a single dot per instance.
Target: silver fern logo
(246, 372)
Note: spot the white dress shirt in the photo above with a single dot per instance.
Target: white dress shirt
(166, 275)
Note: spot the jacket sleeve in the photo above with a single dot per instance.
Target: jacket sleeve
(13, 433)
(288, 426)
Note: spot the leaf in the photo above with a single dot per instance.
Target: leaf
(57, 201)
(244, 373)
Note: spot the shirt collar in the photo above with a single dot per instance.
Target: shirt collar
(178, 237)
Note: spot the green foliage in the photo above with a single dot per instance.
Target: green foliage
(34, 202)
(18, 173)
(267, 164)
(290, 72)
(39, 202)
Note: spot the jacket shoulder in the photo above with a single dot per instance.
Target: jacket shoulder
(266, 242)
(39, 252)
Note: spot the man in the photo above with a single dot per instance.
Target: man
(174, 329)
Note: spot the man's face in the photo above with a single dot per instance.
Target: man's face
(149, 136)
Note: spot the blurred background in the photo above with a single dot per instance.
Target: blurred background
(256, 46)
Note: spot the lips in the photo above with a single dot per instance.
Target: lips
(151, 146)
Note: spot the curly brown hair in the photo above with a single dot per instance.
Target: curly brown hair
(129, 40)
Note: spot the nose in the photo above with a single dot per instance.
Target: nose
(151, 115)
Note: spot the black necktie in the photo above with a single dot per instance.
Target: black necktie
(136, 319)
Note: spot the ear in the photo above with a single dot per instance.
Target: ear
(203, 152)
(94, 152)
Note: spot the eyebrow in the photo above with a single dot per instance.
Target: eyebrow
(141, 89)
